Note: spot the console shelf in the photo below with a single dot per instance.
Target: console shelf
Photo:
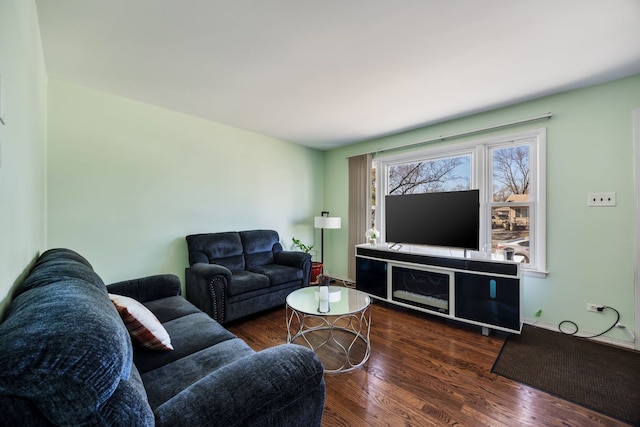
(479, 291)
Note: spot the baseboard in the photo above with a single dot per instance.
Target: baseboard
(343, 281)
(602, 339)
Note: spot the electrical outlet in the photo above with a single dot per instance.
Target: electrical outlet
(601, 199)
(594, 307)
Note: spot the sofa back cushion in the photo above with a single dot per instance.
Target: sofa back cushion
(66, 350)
(259, 247)
(216, 248)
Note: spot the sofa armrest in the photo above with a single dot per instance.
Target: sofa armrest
(148, 288)
(206, 286)
(282, 385)
(295, 259)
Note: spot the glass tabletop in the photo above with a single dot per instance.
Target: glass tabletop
(343, 300)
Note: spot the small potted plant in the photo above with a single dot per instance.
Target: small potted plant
(372, 234)
(316, 267)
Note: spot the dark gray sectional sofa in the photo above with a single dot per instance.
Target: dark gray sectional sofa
(68, 359)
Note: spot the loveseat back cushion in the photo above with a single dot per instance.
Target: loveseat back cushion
(216, 248)
(259, 246)
(66, 350)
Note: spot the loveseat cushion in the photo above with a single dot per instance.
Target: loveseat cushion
(278, 274)
(244, 281)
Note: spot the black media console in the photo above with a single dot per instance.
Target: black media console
(479, 291)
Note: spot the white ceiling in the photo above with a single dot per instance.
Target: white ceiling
(333, 72)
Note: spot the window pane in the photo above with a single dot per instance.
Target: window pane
(510, 229)
(511, 178)
(430, 176)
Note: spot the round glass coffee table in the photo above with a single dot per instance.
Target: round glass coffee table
(339, 336)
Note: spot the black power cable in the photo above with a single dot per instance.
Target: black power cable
(592, 336)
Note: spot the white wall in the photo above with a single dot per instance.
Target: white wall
(128, 181)
(22, 143)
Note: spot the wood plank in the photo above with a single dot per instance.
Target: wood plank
(426, 371)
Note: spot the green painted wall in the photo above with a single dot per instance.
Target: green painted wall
(128, 181)
(22, 143)
(590, 253)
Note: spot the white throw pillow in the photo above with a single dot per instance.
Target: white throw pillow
(144, 327)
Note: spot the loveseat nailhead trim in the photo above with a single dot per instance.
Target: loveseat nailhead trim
(214, 299)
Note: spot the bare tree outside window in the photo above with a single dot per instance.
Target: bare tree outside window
(510, 226)
(510, 172)
(448, 174)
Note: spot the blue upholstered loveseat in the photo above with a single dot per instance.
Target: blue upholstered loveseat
(235, 274)
(66, 358)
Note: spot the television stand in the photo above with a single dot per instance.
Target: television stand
(474, 290)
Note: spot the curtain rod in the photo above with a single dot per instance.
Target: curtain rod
(459, 134)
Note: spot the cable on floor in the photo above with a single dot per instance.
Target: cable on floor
(591, 336)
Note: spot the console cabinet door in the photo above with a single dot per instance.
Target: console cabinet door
(488, 299)
(371, 276)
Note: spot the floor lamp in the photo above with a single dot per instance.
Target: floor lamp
(325, 221)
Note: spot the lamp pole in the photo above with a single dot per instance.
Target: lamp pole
(322, 239)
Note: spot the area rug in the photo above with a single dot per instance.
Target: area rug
(597, 376)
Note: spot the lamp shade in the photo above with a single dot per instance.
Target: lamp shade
(327, 222)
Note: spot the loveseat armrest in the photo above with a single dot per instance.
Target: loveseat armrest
(206, 288)
(292, 258)
(281, 386)
(295, 259)
(148, 288)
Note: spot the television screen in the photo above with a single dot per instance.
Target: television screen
(450, 219)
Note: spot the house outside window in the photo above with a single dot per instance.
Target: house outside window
(509, 171)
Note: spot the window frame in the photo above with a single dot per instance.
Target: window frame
(482, 178)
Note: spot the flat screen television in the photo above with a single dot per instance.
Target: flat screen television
(450, 219)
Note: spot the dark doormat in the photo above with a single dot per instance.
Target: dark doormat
(597, 376)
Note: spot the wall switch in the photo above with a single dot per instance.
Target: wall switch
(601, 199)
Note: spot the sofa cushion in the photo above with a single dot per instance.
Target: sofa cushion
(278, 274)
(67, 363)
(190, 334)
(163, 383)
(128, 406)
(170, 308)
(55, 265)
(243, 281)
(145, 328)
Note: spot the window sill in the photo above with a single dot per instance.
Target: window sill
(538, 274)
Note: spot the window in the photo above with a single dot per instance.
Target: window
(509, 172)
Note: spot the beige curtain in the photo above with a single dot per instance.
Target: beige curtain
(359, 205)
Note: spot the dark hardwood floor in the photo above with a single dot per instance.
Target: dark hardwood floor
(426, 371)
